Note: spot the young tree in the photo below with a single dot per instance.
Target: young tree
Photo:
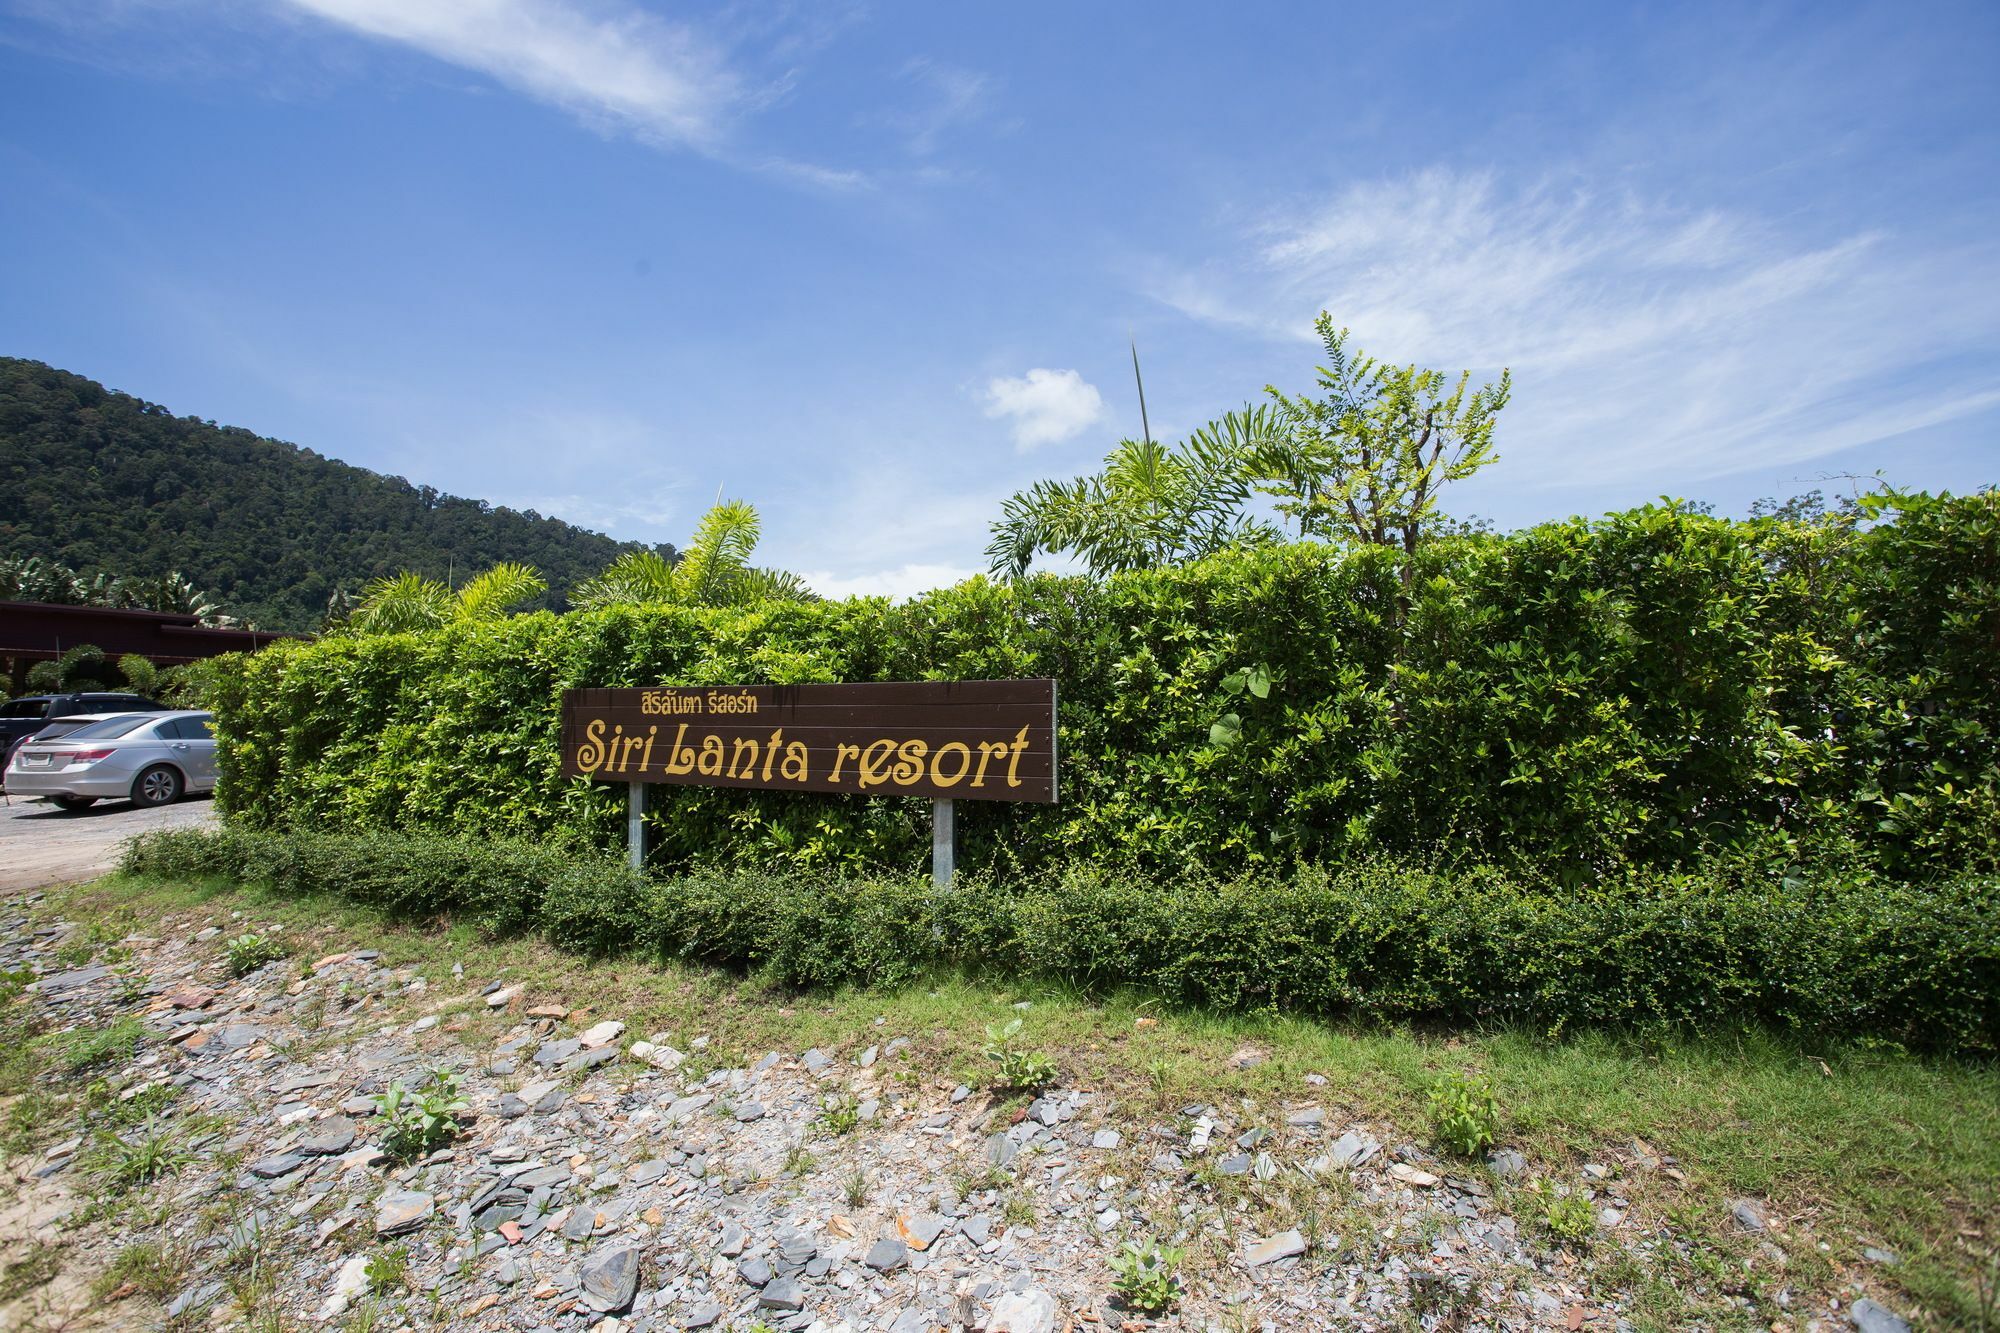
(1150, 506)
(1365, 460)
(409, 601)
(715, 570)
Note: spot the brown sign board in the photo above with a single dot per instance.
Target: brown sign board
(967, 740)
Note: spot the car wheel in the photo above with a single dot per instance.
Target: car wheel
(74, 802)
(158, 785)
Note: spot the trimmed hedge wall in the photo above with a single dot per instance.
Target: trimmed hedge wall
(1647, 688)
(1830, 951)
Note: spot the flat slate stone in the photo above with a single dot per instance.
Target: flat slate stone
(542, 1176)
(301, 1082)
(785, 1294)
(402, 1210)
(887, 1254)
(82, 976)
(277, 1164)
(687, 1106)
(335, 1134)
(1284, 1245)
(555, 1052)
(590, 1059)
(645, 1173)
(610, 1278)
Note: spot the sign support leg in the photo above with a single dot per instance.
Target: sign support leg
(944, 842)
(635, 825)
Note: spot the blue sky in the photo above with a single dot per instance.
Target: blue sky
(873, 267)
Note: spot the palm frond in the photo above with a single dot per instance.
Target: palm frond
(633, 579)
(720, 552)
(402, 603)
(492, 594)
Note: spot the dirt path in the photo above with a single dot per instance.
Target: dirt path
(41, 845)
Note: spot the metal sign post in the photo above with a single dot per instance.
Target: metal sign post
(635, 825)
(944, 842)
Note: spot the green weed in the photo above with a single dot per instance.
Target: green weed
(1147, 1275)
(1464, 1115)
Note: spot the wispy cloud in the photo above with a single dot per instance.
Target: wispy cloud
(949, 97)
(1644, 338)
(1044, 406)
(612, 65)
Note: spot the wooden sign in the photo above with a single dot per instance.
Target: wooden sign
(962, 740)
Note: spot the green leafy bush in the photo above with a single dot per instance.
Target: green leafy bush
(1752, 939)
(1647, 688)
(1464, 1115)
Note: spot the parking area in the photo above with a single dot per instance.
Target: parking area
(40, 844)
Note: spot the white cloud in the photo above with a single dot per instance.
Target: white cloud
(612, 64)
(1645, 339)
(1044, 406)
(900, 583)
(954, 97)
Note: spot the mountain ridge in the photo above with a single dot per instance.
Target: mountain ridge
(107, 482)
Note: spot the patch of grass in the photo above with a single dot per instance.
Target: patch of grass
(107, 1107)
(800, 1161)
(34, 1118)
(855, 1189)
(153, 1269)
(74, 954)
(1018, 1210)
(37, 1268)
(81, 1048)
(1873, 1145)
(138, 1158)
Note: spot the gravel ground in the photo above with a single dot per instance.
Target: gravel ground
(41, 845)
(591, 1184)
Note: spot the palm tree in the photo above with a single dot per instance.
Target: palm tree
(409, 601)
(715, 570)
(1150, 506)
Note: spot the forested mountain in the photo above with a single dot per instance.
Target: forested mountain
(107, 483)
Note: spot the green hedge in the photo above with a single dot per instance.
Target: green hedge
(1650, 687)
(1745, 941)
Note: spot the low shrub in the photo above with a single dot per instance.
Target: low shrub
(1836, 948)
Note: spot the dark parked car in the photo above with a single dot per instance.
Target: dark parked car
(23, 717)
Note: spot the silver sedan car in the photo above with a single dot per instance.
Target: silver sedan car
(152, 758)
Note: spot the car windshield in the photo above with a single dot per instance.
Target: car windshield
(110, 728)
